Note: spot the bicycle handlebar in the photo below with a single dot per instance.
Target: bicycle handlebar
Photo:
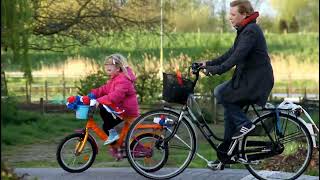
(195, 68)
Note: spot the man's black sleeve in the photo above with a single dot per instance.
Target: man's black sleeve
(241, 51)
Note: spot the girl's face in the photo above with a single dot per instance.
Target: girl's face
(111, 68)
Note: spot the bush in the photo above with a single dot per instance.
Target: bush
(8, 172)
(91, 81)
(9, 110)
(11, 115)
(148, 85)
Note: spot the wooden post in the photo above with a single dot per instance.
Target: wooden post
(289, 85)
(4, 87)
(305, 93)
(30, 86)
(63, 86)
(64, 90)
(27, 97)
(42, 106)
(46, 90)
(75, 84)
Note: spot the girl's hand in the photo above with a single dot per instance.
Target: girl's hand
(97, 104)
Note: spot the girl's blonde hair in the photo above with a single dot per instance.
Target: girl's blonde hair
(119, 61)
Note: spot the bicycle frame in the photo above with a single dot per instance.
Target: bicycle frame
(92, 125)
(209, 135)
(202, 126)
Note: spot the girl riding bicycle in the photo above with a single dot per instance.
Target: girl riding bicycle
(118, 93)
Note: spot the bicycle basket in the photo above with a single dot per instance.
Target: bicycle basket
(82, 112)
(176, 92)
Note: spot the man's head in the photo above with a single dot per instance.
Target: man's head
(239, 10)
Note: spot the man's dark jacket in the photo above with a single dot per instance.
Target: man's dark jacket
(252, 80)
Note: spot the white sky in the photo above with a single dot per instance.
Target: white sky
(264, 8)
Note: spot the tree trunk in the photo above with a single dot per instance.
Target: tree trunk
(4, 88)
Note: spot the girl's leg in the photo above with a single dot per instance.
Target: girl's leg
(108, 121)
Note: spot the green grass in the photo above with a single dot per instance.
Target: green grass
(41, 129)
(301, 83)
(195, 45)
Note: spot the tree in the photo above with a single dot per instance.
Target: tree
(58, 24)
(288, 8)
(283, 26)
(16, 28)
(223, 16)
(306, 12)
(267, 24)
(294, 26)
(82, 21)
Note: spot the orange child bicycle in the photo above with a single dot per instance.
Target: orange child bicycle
(77, 152)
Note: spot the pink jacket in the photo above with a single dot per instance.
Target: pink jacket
(120, 91)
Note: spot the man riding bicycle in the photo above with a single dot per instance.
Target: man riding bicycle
(252, 80)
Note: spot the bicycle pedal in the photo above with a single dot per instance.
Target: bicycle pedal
(215, 167)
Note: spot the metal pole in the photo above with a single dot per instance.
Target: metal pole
(161, 42)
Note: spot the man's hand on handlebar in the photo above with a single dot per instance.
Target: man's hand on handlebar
(207, 70)
(211, 70)
(201, 63)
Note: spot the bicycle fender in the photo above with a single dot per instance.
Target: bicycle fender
(309, 126)
(311, 131)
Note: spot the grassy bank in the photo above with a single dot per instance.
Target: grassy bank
(196, 45)
(37, 128)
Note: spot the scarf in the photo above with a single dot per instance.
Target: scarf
(247, 20)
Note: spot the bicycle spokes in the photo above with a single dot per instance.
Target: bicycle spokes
(284, 146)
(163, 153)
(70, 158)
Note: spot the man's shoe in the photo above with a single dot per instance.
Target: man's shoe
(245, 129)
(217, 165)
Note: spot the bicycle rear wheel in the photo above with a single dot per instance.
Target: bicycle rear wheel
(277, 149)
(146, 157)
(180, 149)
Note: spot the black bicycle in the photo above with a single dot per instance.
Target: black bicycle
(279, 136)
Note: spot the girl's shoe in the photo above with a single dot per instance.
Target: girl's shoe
(113, 136)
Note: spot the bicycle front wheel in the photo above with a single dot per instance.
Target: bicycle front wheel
(67, 157)
(164, 160)
(277, 149)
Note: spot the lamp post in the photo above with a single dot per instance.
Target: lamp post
(161, 41)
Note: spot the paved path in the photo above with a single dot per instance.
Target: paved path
(128, 173)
